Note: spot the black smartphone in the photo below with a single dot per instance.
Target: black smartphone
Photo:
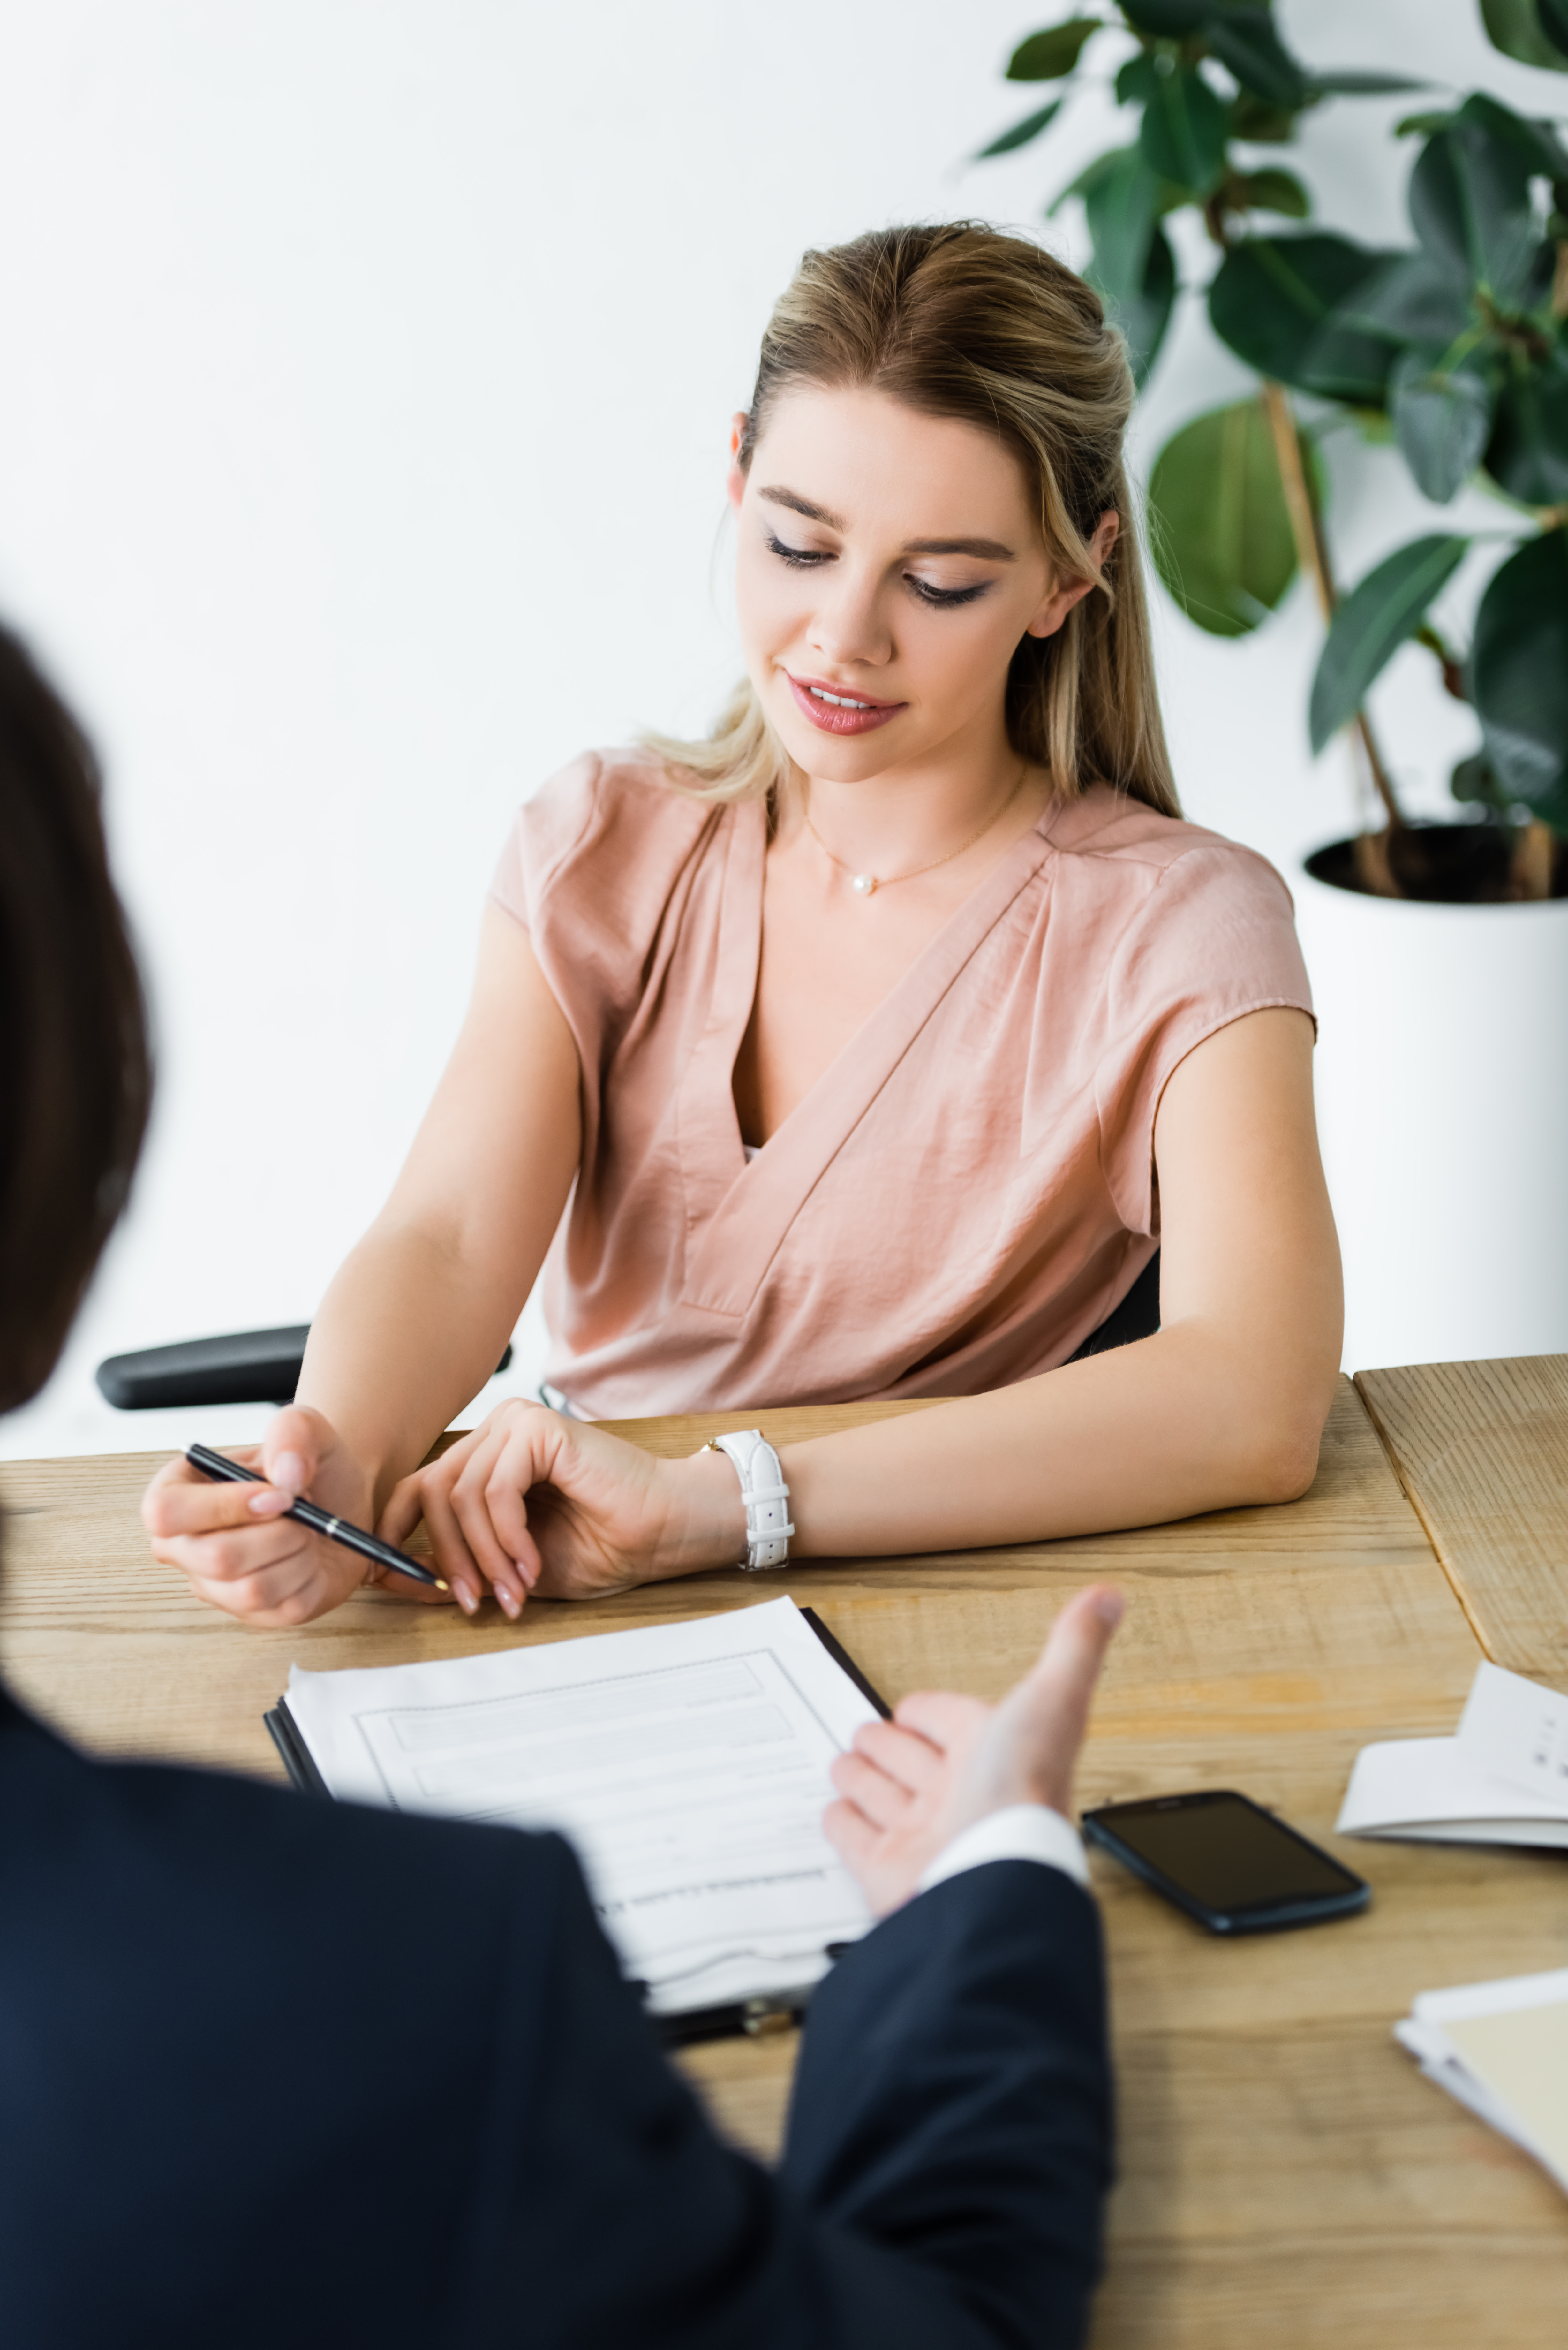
(1227, 1862)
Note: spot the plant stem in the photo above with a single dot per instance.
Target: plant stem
(1300, 505)
(1312, 554)
(1446, 658)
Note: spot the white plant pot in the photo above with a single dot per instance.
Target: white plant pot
(1442, 1102)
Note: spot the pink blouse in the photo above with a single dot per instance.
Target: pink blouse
(968, 1189)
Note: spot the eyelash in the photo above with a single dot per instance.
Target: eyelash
(800, 558)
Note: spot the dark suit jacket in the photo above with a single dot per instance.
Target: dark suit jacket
(279, 2074)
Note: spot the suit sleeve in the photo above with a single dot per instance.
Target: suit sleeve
(635, 2226)
(953, 2099)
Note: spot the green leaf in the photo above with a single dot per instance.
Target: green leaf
(1144, 316)
(1046, 57)
(1183, 132)
(1514, 28)
(1102, 168)
(1374, 620)
(1528, 452)
(1121, 207)
(1519, 661)
(1219, 527)
(1352, 84)
(1271, 192)
(1138, 80)
(1554, 19)
(1260, 125)
(1472, 781)
(1442, 420)
(1410, 126)
(1469, 205)
(1245, 42)
(1276, 301)
(1170, 20)
(1410, 300)
(1536, 141)
(1022, 132)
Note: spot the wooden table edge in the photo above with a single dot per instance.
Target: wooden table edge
(1455, 1582)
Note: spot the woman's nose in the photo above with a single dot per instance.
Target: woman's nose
(850, 623)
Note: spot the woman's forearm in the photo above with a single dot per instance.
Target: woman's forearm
(407, 1334)
(1178, 1424)
(418, 1316)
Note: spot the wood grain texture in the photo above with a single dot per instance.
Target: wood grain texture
(1285, 2172)
(1481, 1449)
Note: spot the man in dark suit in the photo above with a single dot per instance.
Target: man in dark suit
(276, 2073)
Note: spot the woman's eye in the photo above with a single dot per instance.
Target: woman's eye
(946, 597)
(802, 558)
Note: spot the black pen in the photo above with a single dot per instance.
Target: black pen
(320, 1521)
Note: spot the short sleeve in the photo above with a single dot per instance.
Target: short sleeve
(544, 832)
(1213, 940)
(591, 870)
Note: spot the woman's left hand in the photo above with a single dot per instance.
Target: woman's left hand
(530, 1502)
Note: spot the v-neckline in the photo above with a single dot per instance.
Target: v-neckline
(749, 942)
(738, 1210)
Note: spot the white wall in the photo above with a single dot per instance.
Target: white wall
(367, 369)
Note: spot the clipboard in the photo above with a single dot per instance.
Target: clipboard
(753, 2018)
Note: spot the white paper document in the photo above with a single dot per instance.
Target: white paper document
(1501, 1779)
(1519, 1731)
(1501, 2049)
(687, 1763)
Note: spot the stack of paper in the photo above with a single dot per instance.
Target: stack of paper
(1504, 1779)
(1501, 2049)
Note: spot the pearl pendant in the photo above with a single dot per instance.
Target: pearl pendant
(863, 884)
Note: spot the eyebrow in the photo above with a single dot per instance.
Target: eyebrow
(986, 550)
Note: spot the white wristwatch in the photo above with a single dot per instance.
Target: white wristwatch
(764, 1492)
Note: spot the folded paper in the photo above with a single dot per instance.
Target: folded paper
(1501, 1779)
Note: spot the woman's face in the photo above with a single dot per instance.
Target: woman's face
(889, 565)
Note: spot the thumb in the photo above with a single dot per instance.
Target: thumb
(1044, 1719)
(294, 1448)
(1065, 1673)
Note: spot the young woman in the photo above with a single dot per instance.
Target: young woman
(870, 1048)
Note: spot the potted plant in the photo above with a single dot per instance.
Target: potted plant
(1439, 951)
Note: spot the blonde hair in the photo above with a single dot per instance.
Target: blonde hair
(961, 320)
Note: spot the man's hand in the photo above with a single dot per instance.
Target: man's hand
(908, 1786)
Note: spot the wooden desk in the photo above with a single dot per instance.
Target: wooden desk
(1481, 1449)
(1287, 2175)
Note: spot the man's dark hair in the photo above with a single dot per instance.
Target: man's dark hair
(75, 1080)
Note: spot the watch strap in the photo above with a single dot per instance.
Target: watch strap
(764, 1492)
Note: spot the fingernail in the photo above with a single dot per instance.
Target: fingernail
(269, 1503)
(527, 1570)
(1109, 1608)
(288, 1472)
(510, 1601)
(466, 1598)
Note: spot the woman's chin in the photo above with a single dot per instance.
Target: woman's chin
(840, 758)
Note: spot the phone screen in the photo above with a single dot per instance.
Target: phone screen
(1225, 1852)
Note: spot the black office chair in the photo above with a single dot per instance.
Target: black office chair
(246, 1366)
(1138, 1317)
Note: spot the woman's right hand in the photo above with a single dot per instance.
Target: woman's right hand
(237, 1548)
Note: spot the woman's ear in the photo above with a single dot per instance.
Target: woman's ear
(735, 482)
(1062, 598)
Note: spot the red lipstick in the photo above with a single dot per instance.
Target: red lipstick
(845, 713)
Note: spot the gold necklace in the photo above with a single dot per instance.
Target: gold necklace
(864, 884)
